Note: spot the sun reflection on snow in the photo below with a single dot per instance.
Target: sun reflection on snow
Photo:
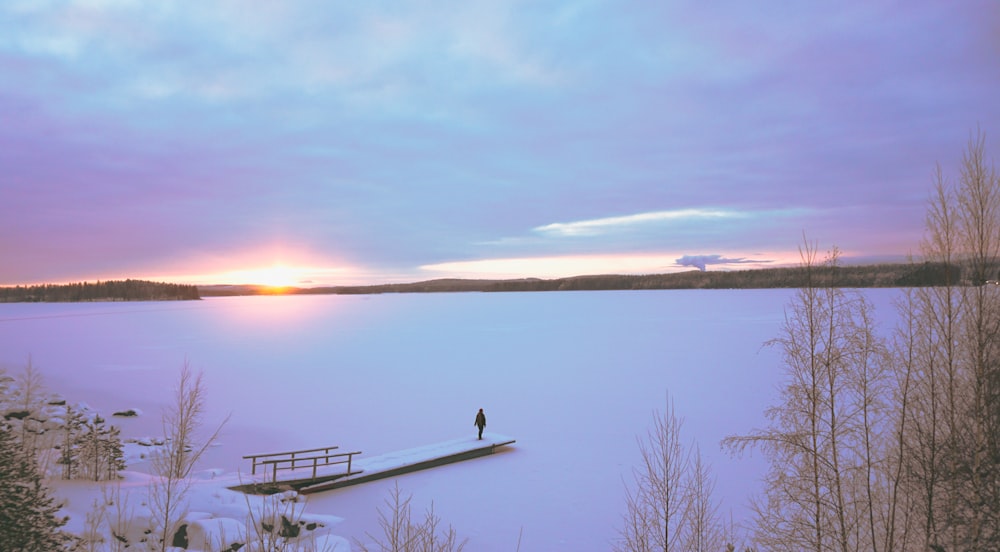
(269, 316)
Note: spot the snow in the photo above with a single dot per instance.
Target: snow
(215, 512)
(574, 377)
(394, 460)
(219, 516)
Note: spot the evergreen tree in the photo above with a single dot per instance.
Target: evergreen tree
(100, 450)
(6, 382)
(91, 450)
(28, 520)
(69, 456)
(114, 452)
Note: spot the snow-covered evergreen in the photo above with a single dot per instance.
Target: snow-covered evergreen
(28, 512)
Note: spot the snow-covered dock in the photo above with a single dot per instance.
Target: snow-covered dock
(328, 471)
(415, 459)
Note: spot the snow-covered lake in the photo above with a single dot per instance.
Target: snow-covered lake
(573, 376)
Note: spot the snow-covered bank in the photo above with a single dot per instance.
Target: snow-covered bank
(216, 519)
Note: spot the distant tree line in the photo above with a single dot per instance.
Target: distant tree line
(861, 276)
(887, 275)
(111, 290)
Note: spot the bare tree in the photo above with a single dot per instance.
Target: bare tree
(119, 516)
(401, 533)
(900, 507)
(670, 506)
(952, 428)
(879, 391)
(979, 239)
(182, 449)
(654, 519)
(705, 532)
(29, 398)
(933, 418)
(825, 487)
(793, 513)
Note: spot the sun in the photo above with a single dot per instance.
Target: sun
(275, 276)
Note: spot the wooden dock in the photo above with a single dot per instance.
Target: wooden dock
(312, 473)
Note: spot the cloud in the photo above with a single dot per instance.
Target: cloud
(702, 261)
(594, 227)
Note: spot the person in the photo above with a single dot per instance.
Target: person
(480, 422)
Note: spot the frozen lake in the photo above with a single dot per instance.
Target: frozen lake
(573, 376)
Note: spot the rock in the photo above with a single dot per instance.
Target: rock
(210, 534)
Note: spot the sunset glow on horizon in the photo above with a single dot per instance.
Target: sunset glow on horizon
(274, 275)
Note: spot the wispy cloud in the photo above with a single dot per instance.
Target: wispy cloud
(599, 226)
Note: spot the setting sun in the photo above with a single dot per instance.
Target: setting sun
(275, 276)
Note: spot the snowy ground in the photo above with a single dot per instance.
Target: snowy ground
(216, 516)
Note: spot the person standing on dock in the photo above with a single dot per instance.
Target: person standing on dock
(480, 422)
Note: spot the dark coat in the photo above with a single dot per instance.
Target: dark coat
(481, 419)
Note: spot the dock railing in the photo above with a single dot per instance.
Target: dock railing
(279, 461)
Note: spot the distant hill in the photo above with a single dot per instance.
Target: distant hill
(112, 290)
(862, 276)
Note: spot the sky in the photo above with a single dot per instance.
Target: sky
(317, 142)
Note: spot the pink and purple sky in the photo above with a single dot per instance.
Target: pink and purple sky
(316, 142)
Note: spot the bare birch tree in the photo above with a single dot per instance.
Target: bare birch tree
(933, 417)
(401, 533)
(655, 508)
(704, 526)
(792, 514)
(952, 429)
(182, 449)
(670, 506)
(825, 486)
(979, 238)
(900, 508)
(28, 398)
